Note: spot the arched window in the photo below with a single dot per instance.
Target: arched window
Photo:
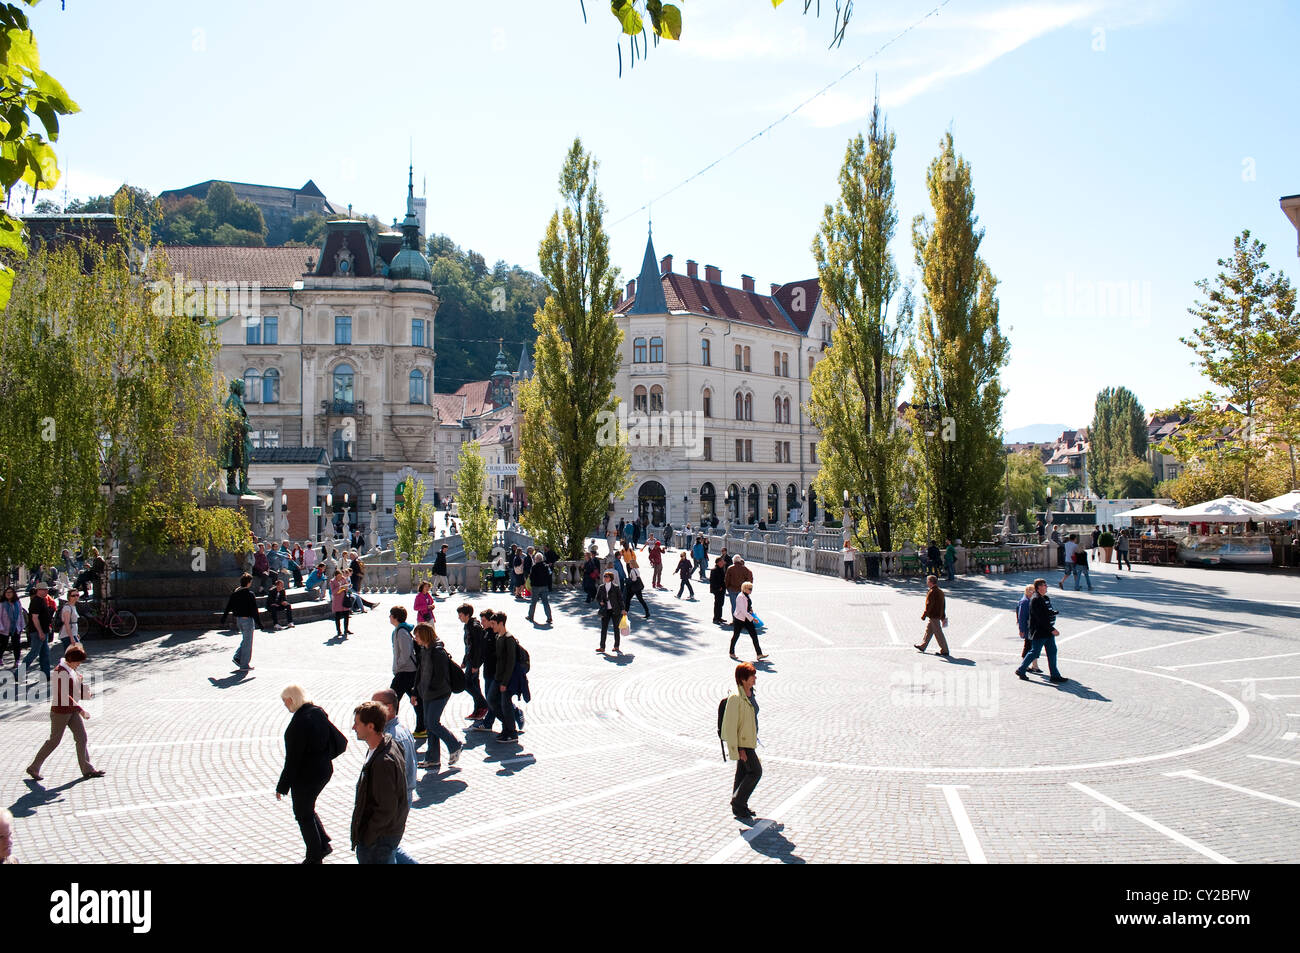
(733, 505)
(749, 406)
(656, 350)
(344, 392)
(773, 504)
(704, 352)
(656, 399)
(740, 406)
(638, 351)
(791, 500)
(252, 386)
(777, 402)
(785, 406)
(740, 360)
(708, 501)
(752, 513)
(708, 402)
(271, 386)
(640, 399)
(417, 386)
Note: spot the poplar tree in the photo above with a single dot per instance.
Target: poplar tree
(855, 388)
(413, 523)
(1117, 439)
(956, 358)
(477, 524)
(568, 472)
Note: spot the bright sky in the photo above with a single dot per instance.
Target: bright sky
(1117, 145)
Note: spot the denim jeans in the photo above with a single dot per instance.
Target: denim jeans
(1081, 569)
(543, 593)
(244, 654)
(699, 565)
(495, 698)
(40, 649)
(686, 584)
(949, 565)
(1047, 643)
(382, 851)
(472, 686)
(433, 709)
(731, 597)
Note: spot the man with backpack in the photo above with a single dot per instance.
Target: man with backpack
(405, 663)
(539, 581)
(700, 552)
(475, 646)
(495, 673)
(509, 653)
(1081, 568)
(738, 731)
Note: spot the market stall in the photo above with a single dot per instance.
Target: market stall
(1211, 539)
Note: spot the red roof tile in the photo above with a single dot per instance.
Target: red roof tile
(476, 398)
(812, 292)
(702, 297)
(270, 267)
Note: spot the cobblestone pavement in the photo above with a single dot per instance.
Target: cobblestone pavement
(1176, 740)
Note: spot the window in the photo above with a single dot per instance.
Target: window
(749, 451)
(747, 365)
(271, 386)
(252, 386)
(708, 448)
(777, 456)
(266, 438)
(740, 359)
(708, 402)
(342, 449)
(270, 329)
(811, 365)
(342, 329)
(416, 387)
(785, 406)
(776, 363)
(812, 452)
(749, 406)
(656, 400)
(785, 445)
(640, 400)
(785, 365)
(253, 330)
(344, 394)
(704, 352)
(638, 351)
(826, 332)
(777, 402)
(740, 451)
(417, 332)
(656, 350)
(740, 406)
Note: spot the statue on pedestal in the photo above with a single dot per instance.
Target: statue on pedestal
(236, 447)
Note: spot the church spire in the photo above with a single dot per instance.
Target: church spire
(649, 289)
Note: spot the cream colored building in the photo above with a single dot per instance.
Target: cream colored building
(724, 371)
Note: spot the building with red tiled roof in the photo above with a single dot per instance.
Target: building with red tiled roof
(715, 377)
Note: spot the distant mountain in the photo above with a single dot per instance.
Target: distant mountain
(1036, 433)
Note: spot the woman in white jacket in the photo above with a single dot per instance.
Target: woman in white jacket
(743, 617)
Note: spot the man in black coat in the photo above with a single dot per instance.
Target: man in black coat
(308, 753)
(1042, 618)
(379, 815)
(610, 599)
(475, 650)
(718, 586)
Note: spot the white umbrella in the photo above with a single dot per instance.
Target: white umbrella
(1287, 501)
(1226, 509)
(1151, 509)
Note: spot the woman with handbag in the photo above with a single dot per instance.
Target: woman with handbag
(433, 691)
(424, 604)
(743, 617)
(339, 606)
(13, 622)
(635, 584)
(311, 742)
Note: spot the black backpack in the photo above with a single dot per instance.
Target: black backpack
(722, 711)
(522, 657)
(57, 624)
(455, 674)
(338, 741)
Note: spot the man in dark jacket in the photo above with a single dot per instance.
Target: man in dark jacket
(244, 607)
(379, 816)
(1042, 619)
(539, 581)
(936, 611)
(718, 586)
(475, 648)
(507, 655)
(737, 575)
(610, 599)
(440, 571)
(591, 575)
(493, 669)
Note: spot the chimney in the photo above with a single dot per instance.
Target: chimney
(713, 274)
(692, 269)
(747, 283)
(775, 287)
(666, 265)
(631, 289)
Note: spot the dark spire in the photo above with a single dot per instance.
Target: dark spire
(649, 291)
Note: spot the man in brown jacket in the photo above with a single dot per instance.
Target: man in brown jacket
(379, 817)
(737, 575)
(936, 613)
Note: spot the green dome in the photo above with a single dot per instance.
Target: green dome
(408, 264)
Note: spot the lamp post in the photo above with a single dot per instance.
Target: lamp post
(327, 518)
(347, 523)
(846, 516)
(374, 522)
(284, 515)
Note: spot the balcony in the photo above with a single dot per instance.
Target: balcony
(342, 408)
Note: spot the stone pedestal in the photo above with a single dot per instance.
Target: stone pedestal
(473, 575)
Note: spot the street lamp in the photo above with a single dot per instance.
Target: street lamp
(328, 516)
(374, 521)
(845, 521)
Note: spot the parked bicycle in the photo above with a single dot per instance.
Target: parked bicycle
(109, 618)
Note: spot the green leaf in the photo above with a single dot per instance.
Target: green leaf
(670, 22)
(22, 49)
(11, 236)
(53, 91)
(627, 15)
(49, 118)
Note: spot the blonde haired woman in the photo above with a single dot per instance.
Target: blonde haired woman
(743, 618)
(309, 748)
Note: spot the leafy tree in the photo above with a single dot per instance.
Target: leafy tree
(413, 523)
(568, 472)
(114, 409)
(1027, 477)
(1133, 479)
(1248, 344)
(955, 362)
(1117, 435)
(1215, 476)
(307, 230)
(855, 388)
(97, 204)
(27, 92)
(218, 219)
(477, 523)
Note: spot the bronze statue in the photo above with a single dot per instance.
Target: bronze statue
(236, 448)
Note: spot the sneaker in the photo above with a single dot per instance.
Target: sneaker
(433, 766)
(419, 734)
(520, 717)
(1022, 676)
(478, 726)
(454, 757)
(1058, 679)
(507, 738)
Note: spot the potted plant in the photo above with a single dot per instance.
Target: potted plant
(1107, 543)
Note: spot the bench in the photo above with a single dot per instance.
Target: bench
(993, 557)
(909, 563)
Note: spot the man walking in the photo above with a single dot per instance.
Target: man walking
(950, 559)
(700, 553)
(718, 586)
(937, 615)
(737, 575)
(539, 580)
(475, 645)
(512, 719)
(243, 605)
(66, 692)
(440, 571)
(389, 700)
(41, 618)
(740, 734)
(379, 815)
(1042, 618)
(1070, 547)
(405, 663)
(1121, 551)
(1081, 568)
(610, 599)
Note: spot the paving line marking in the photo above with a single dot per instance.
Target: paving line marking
(1264, 757)
(1079, 635)
(1276, 697)
(555, 754)
(964, 827)
(154, 805)
(982, 629)
(1228, 661)
(1268, 678)
(804, 628)
(1290, 736)
(785, 807)
(1232, 787)
(177, 744)
(1153, 824)
(512, 820)
(1199, 638)
(893, 633)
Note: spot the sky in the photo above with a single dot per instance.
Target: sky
(1116, 146)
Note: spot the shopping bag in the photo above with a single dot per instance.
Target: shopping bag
(623, 625)
(758, 623)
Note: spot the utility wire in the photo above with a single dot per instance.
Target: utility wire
(768, 128)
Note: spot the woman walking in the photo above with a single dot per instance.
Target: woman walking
(338, 604)
(13, 622)
(433, 690)
(684, 569)
(743, 618)
(591, 575)
(635, 584)
(67, 691)
(424, 604)
(740, 735)
(311, 742)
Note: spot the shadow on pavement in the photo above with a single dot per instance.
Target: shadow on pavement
(773, 843)
(38, 796)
